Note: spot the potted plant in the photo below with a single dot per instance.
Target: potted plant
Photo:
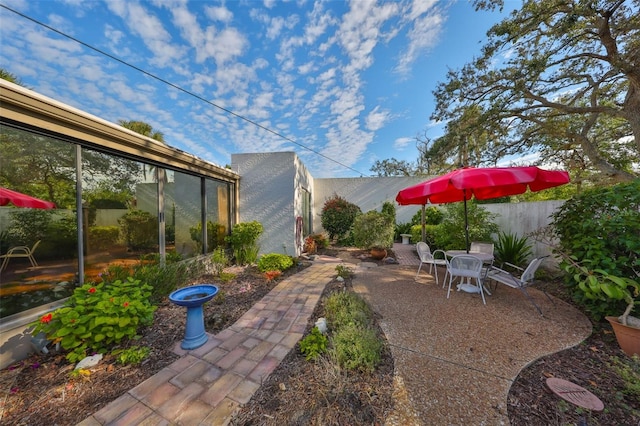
(599, 284)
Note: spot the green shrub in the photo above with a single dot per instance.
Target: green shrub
(389, 209)
(103, 237)
(163, 278)
(314, 344)
(432, 216)
(216, 234)
(601, 230)
(139, 229)
(131, 356)
(512, 249)
(97, 317)
(401, 228)
(220, 260)
(373, 229)
(244, 241)
(356, 348)
(344, 271)
(274, 262)
(337, 216)
(430, 234)
(450, 234)
(343, 308)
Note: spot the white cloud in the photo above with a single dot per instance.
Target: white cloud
(402, 143)
(376, 119)
(219, 13)
(424, 35)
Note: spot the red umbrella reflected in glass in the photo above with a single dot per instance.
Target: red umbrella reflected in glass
(19, 199)
(483, 183)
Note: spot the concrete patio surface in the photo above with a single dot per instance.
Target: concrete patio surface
(455, 359)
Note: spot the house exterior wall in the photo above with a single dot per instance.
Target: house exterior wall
(267, 192)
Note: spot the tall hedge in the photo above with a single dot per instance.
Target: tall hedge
(338, 215)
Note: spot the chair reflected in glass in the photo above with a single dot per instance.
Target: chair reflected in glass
(20, 251)
(466, 267)
(426, 257)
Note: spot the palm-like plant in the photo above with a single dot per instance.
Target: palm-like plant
(510, 248)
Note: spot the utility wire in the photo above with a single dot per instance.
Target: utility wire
(147, 73)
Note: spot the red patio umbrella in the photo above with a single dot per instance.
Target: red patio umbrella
(19, 199)
(483, 184)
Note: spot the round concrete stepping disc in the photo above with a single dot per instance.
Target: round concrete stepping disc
(575, 394)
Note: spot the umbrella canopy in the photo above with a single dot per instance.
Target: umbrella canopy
(19, 199)
(482, 183)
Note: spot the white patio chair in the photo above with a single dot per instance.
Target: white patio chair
(526, 278)
(468, 267)
(20, 251)
(426, 257)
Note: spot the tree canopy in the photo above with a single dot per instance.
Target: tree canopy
(561, 77)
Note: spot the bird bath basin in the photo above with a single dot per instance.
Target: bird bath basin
(193, 297)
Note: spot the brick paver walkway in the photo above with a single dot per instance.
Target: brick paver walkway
(205, 386)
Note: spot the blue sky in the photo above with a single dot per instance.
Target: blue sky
(352, 81)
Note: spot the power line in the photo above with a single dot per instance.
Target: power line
(147, 73)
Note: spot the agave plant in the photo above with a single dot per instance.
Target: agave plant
(510, 248)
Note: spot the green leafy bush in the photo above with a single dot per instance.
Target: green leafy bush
(131, 356)
(274, 262)
(430, 234)
(432, 216)
(512, 249)
(356, 348)
(244, 241)
(220, 260)
(344, 271)
(600, 230)
(373, 229)
(216, 234)
(97, 317)
(163, 278)
(401, 228)
(103, 237)
(338, 215)
(450, 234)
(314, 344)
(343, 308)
(139, 229)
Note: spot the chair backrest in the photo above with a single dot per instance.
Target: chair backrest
(529, 273)
(481, 247)
(465, 265)
(424, 252)
(35, 245)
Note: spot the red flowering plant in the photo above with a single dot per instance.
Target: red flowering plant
(272, 275)
(98, 317)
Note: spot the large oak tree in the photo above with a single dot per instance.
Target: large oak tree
(558, 76)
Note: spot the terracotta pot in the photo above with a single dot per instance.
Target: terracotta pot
(378, 253)
(628, 337)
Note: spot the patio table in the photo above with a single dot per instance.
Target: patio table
(486, 258)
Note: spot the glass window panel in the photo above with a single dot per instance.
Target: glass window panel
(120, 199)
(183, 211)
(38, 246)
(218, 213)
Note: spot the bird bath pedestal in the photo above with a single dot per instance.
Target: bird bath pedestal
(193, 297)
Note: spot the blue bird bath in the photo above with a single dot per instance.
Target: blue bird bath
(193, 297)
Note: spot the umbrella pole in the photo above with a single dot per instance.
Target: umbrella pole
(466, 220)
(424, 231)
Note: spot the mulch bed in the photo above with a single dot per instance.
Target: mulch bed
(301, 392)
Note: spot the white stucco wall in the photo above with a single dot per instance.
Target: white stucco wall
(367, 193)
(524, 218)
(267, 196)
